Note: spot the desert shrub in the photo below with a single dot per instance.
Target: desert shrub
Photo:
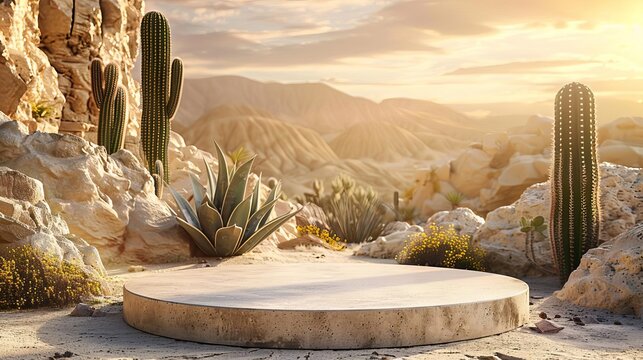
(42, 109)
(334, 241)
(354, 212)
(455, 198)
(29, 278)
(441, 247)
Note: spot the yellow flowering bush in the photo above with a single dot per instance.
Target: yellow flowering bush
(333, 240)
(441, 247)
(29, 278)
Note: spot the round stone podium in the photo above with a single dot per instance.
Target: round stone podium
(325, 305)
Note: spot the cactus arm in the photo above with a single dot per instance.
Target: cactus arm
(176, 84)
(106, 116)
(120, 120)
(97, 81)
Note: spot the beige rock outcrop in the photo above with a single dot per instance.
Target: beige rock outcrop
(497, 171)
(26, 219)
(107, 200)
(504, 243)
(26, 75)
(105, 29)
(609, 276)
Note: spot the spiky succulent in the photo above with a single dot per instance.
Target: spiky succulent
(224, 222)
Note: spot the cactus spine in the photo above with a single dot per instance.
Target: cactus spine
(161, 90)
(574, 218)
(110, 97)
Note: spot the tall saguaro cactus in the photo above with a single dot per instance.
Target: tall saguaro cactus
(110, 97)
(161, 90)
(574, 218)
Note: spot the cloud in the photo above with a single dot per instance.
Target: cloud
(518, 67)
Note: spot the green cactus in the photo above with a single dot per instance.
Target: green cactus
(160, 88)
(574, 219)
(110, 97)
(224, 222)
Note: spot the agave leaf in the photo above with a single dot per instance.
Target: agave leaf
(526, 229)
(236, 189)
(210, 220)
(241, 213)
(199, 239)
(227, 239)
(273, 195)
(255, 196)
(198, 190)
(537, 221)
(264, 232)
(255, 219)
(212, 180)
(186, 210)
(222, 181)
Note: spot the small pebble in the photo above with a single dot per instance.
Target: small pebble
(543, 315)
(618, 322)
(556, 316)
(135, 268)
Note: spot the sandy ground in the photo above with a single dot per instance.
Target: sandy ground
(40, 334)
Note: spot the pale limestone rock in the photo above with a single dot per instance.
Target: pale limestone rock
(464, 220)
(387, 247)
(26, 219)
(105, 29)
(107, 200)
(609, 277)
(501, 238)
(470, 171)
(26, 75)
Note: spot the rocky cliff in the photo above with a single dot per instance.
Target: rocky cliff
(45, 51)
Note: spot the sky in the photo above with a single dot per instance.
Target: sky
(484, 54)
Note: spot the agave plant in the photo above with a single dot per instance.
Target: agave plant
(224, 222)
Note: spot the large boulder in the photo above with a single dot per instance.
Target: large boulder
(609, 276)
(26, 75)
(504, 243)
(27, 219)
(107, 200)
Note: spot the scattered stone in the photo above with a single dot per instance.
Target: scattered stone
(502, 356)
(99, 313)
(136, 268)
(546, 327)
(82, 309)
(536, 297)
(556, 316)
(578, 321)
(543, 315)
(66, 354)
(618, 322)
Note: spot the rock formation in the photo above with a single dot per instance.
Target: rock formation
(26, 219)
(609, 276)
(26, 75)
(496, 171)
(107, 200)
(72, 36)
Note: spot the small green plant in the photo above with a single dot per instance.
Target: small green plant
(404, 213)
(531, 227)
(31, 279)
(42, 110)
(455, 198)
(239, 156)
(224, 222)
(441, 247)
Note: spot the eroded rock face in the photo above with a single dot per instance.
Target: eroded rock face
(107, 200)
(609, 276)
(26, 219)
(501, 238)
(105, 29)
(497, 171)
(26, 74)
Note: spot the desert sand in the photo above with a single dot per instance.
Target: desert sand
(38, 334)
